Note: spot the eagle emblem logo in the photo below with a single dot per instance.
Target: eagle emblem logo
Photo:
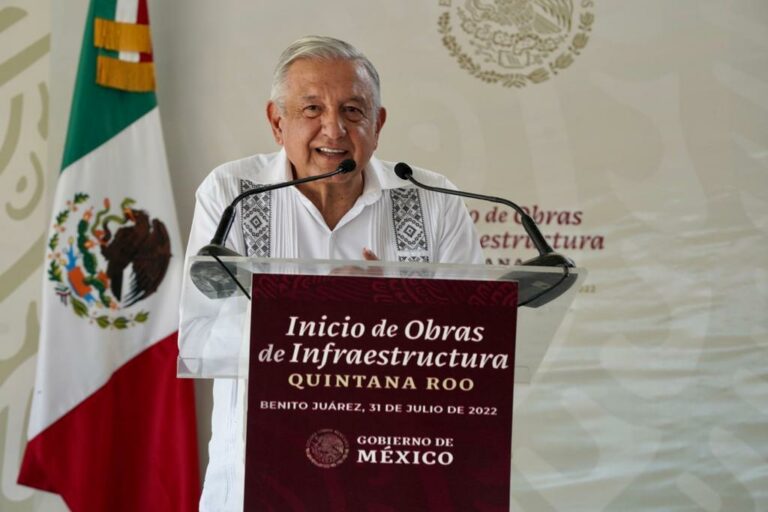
(516, 42)
(103, 261)
(327, 448)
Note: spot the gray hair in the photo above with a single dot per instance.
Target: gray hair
(322, 48)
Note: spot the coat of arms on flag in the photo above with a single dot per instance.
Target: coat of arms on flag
(103, 261)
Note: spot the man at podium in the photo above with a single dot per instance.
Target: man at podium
(324, 108)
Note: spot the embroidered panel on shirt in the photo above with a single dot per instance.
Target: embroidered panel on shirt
(413, 259)
(408, 221)
(256, 212)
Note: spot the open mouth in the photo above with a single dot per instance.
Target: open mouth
(331, 152)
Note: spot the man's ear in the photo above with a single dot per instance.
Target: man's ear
(380, 119)
(275, 117)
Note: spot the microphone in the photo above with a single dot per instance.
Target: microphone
(547, 256)
(534, 288)
(216, 246)
(207, 276)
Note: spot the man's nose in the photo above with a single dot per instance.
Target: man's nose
(333, 125)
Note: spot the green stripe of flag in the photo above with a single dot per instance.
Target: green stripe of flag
(99, 113)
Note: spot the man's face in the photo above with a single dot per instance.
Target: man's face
(328, 116)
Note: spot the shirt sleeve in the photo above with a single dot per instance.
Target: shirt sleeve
(211, 198)
(211, 331)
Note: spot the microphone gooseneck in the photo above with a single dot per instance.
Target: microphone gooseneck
(216, 246)
(547, 256)
(218, 279)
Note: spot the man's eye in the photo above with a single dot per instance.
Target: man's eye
(311, 111)
(353, 113)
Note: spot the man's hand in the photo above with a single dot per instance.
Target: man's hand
(369, 255)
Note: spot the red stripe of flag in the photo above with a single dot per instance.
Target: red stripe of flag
(137, 419)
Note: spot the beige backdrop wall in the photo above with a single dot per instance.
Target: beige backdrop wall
(25, 45)
(642, 147)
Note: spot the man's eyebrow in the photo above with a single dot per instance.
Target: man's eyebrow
(315, 97)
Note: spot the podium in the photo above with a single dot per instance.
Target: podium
(365, 443)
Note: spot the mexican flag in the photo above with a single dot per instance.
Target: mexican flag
(111, 427)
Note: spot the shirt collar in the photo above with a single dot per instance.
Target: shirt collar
(283, 167)
(371, 182)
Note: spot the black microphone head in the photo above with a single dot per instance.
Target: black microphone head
(210, 277)
(403, 171)
(347, 165)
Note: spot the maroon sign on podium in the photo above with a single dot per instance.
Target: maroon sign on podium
(379, 394)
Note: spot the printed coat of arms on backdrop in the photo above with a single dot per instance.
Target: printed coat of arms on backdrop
(515, 42)
(103, 261)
